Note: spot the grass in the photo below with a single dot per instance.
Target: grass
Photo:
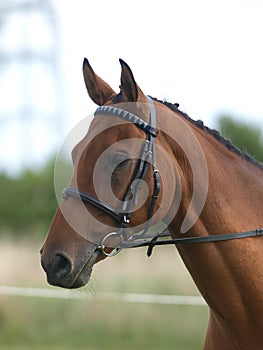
(90, 324)
(55, 324)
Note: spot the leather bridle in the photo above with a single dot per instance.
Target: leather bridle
(146, 159)
(123, 215)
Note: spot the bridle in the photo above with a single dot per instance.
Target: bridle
(146, 159)
(123, 215)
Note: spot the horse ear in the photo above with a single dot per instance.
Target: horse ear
(99, 91)
(128, 83)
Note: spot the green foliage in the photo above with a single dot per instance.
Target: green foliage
(245, 136)
(28, 201)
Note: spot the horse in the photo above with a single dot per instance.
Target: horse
(144, 162)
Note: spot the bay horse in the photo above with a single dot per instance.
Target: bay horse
(142, 162)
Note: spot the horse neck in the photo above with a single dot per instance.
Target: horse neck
(234, 184)
(235, 190)
(228, 274)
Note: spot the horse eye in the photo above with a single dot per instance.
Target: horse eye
(119, 160)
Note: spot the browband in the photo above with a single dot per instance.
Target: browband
(132, 118)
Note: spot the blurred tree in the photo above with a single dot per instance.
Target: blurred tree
(245, 136)
(28, 201)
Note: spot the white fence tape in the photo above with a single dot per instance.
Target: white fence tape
(118, 297)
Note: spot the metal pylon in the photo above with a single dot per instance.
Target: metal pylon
(31, 89)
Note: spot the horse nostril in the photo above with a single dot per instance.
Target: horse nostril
(61, 265)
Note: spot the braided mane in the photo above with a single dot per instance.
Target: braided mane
(215, 133)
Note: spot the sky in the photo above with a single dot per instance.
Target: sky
(205, 55)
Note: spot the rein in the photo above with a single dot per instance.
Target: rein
(123, 215)
(201, 239)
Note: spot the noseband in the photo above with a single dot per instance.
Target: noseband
(123, 215)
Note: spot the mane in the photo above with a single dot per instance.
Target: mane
(215, 133)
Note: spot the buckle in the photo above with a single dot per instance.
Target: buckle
(259, 231)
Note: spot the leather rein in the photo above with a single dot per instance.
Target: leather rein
(123, 214)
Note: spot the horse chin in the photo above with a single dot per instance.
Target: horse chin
(84, 274)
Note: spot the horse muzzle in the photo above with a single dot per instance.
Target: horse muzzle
(69, 272)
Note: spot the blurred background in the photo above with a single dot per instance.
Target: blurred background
(206, 55)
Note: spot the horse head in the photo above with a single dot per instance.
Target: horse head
(106, 195)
